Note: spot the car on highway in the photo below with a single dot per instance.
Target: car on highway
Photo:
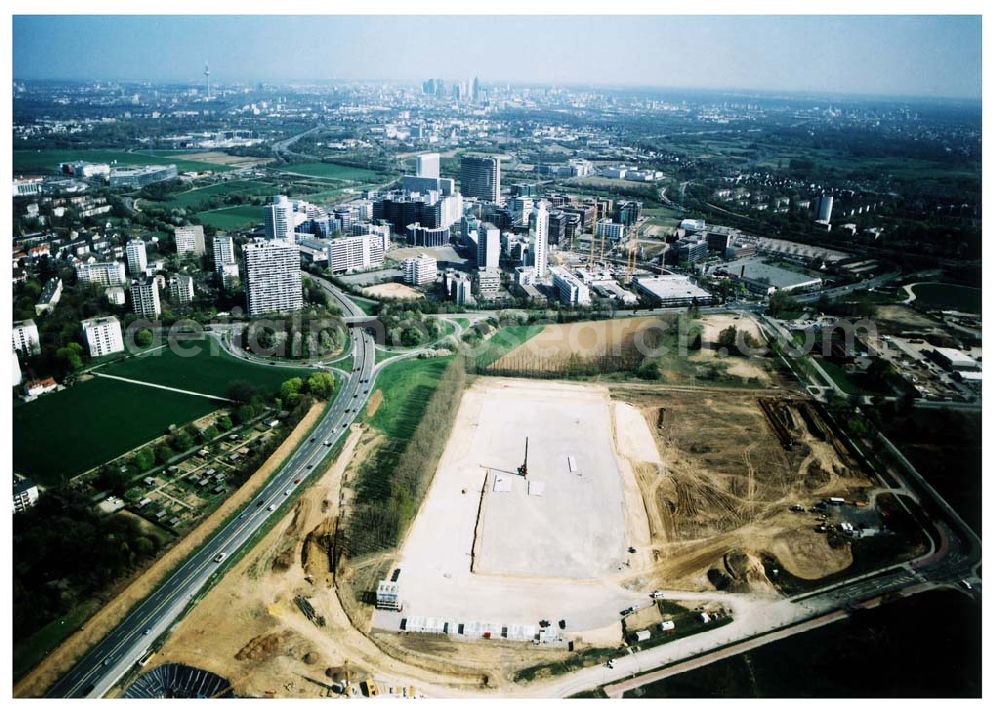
(287, 492)
(271, 508)
(220, 557)
(327, 443)
(147, 631)
(260, 503)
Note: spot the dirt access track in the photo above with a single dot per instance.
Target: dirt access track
(36, 682)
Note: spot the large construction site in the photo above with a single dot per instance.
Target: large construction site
(564, 520)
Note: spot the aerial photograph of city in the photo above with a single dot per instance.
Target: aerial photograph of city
(492, 356)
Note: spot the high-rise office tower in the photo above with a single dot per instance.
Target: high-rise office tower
(538, 230)
(480, 177)
(279, 219)
(273, 282)
(488, 246)
(429, 165)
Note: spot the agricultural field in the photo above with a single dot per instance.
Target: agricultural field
(63, 434)
(333, 171)
(208, 369)
(48, 160)
(235, 218)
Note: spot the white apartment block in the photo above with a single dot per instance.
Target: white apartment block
(357, 252)
(225, 259)
(145, 296)
(572, 291)
(107, 274)
(418, 270)
(115, 295)
(135, 256)
(181, 288)
(103, 335)
(25, 337)
(273, 283)
(190, 240)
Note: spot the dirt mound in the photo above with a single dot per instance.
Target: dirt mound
(808, 555)
(262, 647)
(817, 476)
(317, 550)
(283, 561)
(742, 572)
(374, 402)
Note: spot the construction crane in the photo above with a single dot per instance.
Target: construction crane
(523, 469)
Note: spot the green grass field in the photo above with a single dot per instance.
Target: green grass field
(63, 434)
(330, 170)
(47, 161)
(30, 651)
(234, 218)
(406, 387)
(192, 198)
(950, 296)
(202, 372)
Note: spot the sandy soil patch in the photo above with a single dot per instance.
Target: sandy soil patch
(713, 324)
(807, 554)
(635, 441)
(739, 366)
(727, 483)
(392, 290)
(62, 658)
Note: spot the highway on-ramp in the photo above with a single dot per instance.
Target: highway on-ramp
(106, 663)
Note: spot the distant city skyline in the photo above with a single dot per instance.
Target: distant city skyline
(918, 56)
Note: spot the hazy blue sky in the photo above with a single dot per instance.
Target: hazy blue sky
(932, 56)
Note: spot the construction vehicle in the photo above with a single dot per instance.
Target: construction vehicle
(523, 469)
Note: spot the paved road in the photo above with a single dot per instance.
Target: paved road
(107, 662)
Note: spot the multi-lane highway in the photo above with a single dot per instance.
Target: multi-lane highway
(108, 661)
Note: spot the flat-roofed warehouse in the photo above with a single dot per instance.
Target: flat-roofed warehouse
(766, 278)
(671, 290)
(954, 360)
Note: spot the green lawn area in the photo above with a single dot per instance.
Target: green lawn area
(949, 296)
(840, 377)
(406, 387)
(63, 434)
(330, 170)
(233, 218)
(505, 340)
(30, 651)
(192, 198)
(48, 160)
(203, 371)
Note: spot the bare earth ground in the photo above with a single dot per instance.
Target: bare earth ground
(392, 290)
(713, 324)
(704, 485)
(557, 342)
(62, 658)
(726, 487)
(740, 366)
(543, 554)
(224, 158)
(249, 629)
